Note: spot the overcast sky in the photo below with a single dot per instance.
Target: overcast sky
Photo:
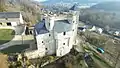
(40, 0)
(86, 0)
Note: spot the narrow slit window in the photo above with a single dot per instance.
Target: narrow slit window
(42, 41)
(73, 21)
(46, 48)
(49, 35)
(6, 18)
(0, 23)
(73, 29)
(49, 24)
(64, 33)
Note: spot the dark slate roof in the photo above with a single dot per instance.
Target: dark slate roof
(62, 26)
(9, 14)
(81, 28)
(73, 7)
(41, 28)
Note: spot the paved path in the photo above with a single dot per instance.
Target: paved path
(19, 38)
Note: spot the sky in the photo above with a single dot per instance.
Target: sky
(40, 0)
(86, 0)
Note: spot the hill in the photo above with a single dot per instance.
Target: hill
(29, 9)
(102, 19)
(66, 1)
(107, 6)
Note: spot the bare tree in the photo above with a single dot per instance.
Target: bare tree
(2, 5)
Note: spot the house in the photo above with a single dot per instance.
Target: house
(55, 35)
(93, 28)
(100, 30)
(10, 19)
(117, 33)
(81, 29)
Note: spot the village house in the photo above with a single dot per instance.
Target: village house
(117, 33)
(81, 29)
(93, 28)
(55, 35)
(100, 30)
(10, 19)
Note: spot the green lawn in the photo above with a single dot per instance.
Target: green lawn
(15, 49)
(6, 35)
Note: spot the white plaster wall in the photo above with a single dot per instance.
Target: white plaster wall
(68, 34)
(40, 45)
(14, 23)
(47, 21)
(21, 19)
(74, 28)
(63, 43)
(48, 45)
(63, 48)
(51, 23)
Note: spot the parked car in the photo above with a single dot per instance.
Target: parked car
(100, 50)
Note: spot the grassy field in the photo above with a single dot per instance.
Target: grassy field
(6, 35)
(15, 49)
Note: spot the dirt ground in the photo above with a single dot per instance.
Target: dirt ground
(3, 61)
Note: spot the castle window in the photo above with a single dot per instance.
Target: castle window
(0, 23)
(49, 24)
(6, 18)
(35, 42)
(49, 35)
(42, 41)
(63, 43)
(64, 33)
(73, 21)
(73, 29)
(8, 23)
(46, 49)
